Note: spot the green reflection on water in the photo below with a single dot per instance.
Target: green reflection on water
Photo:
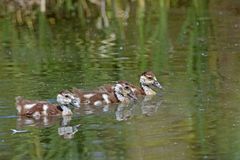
(191, 46)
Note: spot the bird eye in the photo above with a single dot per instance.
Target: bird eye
(126, 87)
(66, 96)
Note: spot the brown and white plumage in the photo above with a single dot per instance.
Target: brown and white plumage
(147, 80)
(34, 108)
(121, 93)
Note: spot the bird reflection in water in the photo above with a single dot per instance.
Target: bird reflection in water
(43, 121)
(147, 106)
(150, 105)
(65, 130)
(124, 112)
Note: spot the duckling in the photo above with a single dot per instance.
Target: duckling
(34, 108)
(121, 93)
(147, 79)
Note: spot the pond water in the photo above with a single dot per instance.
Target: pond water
(194, 50)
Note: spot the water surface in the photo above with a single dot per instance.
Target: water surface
(194, 50)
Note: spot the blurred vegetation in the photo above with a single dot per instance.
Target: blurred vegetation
(25, 12)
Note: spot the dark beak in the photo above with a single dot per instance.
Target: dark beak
(157, 84)
(132, 96)
(75, 103)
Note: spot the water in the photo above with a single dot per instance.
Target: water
(192, 49)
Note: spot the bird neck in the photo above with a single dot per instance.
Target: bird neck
(147, 90)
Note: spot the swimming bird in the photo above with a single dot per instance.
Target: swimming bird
(35, 108)
(121, 93)
(147, 81)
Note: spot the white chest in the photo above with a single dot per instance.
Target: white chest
(66, 111)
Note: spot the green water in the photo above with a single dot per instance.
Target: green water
(194, 50)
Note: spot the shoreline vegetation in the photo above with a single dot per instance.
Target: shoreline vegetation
(103, 12)
(26, 12)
